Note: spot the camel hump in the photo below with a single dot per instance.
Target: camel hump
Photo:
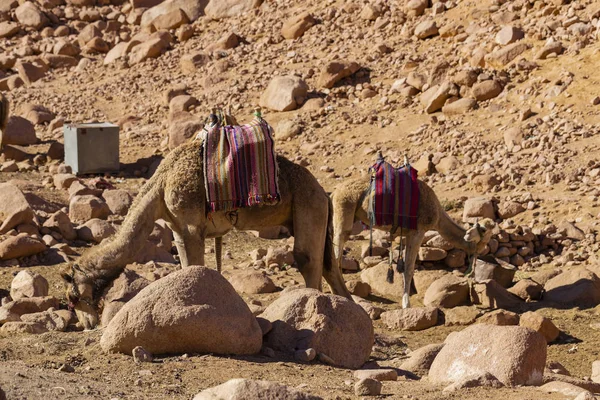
(4, 111)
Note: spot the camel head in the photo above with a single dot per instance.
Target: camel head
(479, 235)
(80, 295)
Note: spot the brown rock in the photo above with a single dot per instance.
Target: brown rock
(370, 12)
(19, 131)
(284, 93)
(84, 208)
(252, 282)
(460, 106)
(31, 305)
(541, 324)
(171, 20)
(378, 374)
(464, 315)
(121, 290)
(564, 388)
(376, 278)
(367, 387)
(241, 389)
(359, 288)
(411, 319)
(50, 320)
(448, 291)
(550, 48)
(118, 201)
(28, 284)
(514, 355)
(416, 7)
(190, 63)
(578, 287)
(15, 328)
(97, 45)
(29, 72)
(295, 27)
(182, 127)
(510, 209)
(9, 29)
(152, 48)
(499, 58)
(191, 310)
(509, 34)
(29, 15)
(478, 207)
(334, 72)
(420, 360)
(571, 231)
(228, 41)
(116, 52)
(14, 208)
(21, 245)
(219, 9)
(490, 294)
(307, 318)
(513, 137)
(95, 230)
(425, 29)
(486, 90)
(193, 9)
(527, 289)
(499, 317)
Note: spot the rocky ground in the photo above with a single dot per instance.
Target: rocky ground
(496, 103)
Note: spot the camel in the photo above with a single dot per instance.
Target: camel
(176, 193)
(350, 204)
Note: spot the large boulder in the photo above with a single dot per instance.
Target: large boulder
(411, 319)
(194, 310)
(19, 131)
(478, 208)
(193, 9)
(332, 325)
(513, 354)
(376, 278)
(61, 223)
(448, 291)
(21, 245)
(578, 287)
(420, 360)
(252, 282)
(247, 389)
(30, 16)
(218, 9)
(28, 284)
(541, 324)
(295, 26)
(284, 93)
(121, 290)
(84, 208)
(336, 71)
(14, 208)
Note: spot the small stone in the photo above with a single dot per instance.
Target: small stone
(367, 387)
(140, 355)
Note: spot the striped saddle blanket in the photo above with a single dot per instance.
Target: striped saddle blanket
(394, 196)
(240, 168)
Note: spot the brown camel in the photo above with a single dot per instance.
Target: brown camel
(350, 204)
(176, 193)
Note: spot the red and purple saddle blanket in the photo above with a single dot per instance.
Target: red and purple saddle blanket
(394, 196)
(240, 166)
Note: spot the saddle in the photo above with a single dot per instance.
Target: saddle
(393, 195)
(240, 165)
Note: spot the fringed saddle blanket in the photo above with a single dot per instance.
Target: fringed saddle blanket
(240, 168)
(394, 196)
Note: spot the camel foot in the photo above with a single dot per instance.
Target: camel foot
(405, 301)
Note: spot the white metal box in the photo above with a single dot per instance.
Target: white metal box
(92, 148)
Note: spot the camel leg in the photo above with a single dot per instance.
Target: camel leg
(218, 251)
(190, 246)
(413, 242)
(343, 219)
(310, 231)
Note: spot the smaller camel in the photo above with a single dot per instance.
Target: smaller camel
(350, 204)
